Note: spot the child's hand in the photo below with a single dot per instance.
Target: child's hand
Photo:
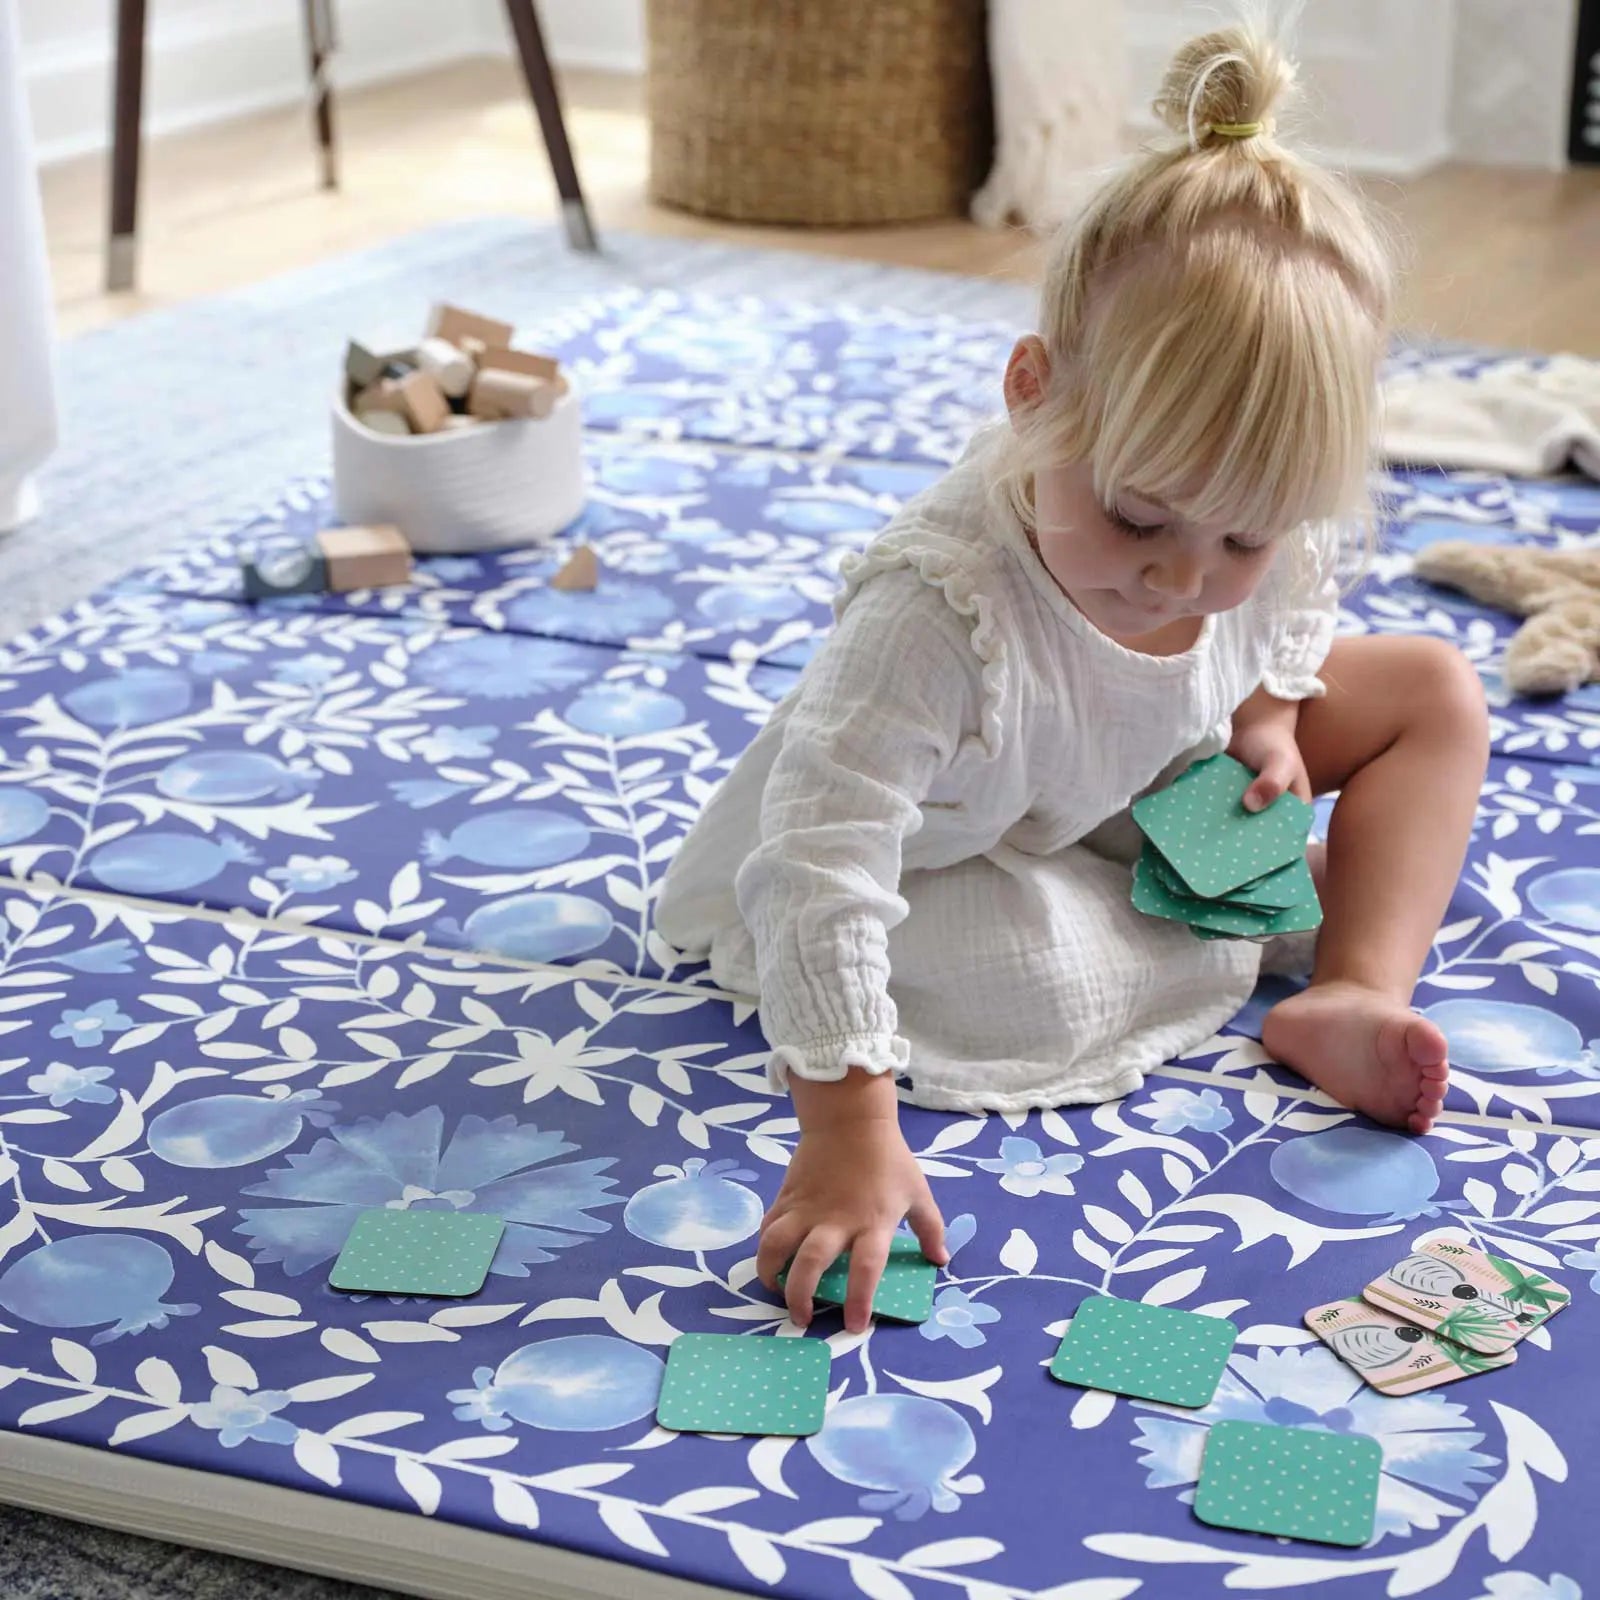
(853, 1178)
(1264, 740)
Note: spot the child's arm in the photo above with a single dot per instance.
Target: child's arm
(851, 1181)
(1264, 727)
(881, 713)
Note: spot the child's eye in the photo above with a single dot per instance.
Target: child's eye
(1136, 530)
(1238, 547)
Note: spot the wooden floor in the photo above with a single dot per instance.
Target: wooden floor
(1506, 257)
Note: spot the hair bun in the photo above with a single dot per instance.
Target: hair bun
(1232, 78)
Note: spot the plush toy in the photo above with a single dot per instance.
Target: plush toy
(1558, 591)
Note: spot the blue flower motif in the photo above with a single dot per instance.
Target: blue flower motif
(958, 1318)
(499, 1168)
(504, 666)
(214, 663)
(89, 1026)
(449, 743)
(308, 671)
(312, 874)
(618, 610)
(1028, 1171)
(1585, 1261)
(476, 1405)
(114, 955)
(236, 1416)
(420, 793)
(1524, 1586)
(65, 1084)
(1184, 1111)
(453, 569)
(1429, 1443)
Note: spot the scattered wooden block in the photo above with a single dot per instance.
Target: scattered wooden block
(581, 574)
(452, 323)
(370, 557)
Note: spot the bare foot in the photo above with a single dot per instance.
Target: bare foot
(1365, 1049)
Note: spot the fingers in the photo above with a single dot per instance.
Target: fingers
(868, 1253)
(821, 1248)
(780, 1237)
(928, 1226)
(1270, 782)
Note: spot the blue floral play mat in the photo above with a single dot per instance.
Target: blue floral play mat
(444, 811)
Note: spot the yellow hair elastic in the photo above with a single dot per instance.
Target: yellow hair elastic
(1236, 130)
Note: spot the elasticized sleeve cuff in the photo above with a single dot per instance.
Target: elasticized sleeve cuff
(828, 1060)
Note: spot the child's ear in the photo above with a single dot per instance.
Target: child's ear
(1027, 375)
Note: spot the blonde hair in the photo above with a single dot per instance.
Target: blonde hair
(1214, 317)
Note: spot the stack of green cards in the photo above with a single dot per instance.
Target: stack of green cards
(905, 1291)
(1227, 872)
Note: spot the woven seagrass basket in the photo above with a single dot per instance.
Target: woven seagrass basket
(826, 112)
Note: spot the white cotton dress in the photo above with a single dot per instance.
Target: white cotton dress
(921, 864)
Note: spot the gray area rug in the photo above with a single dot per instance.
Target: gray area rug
(179, 423)
(184, 421)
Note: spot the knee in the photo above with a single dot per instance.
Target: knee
(1446, 695)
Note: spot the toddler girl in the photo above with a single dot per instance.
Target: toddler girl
(921, 864)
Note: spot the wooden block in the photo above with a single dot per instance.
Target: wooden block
(387, 422)
(497, 394)
(426, 405)
(449, 367)
(473, 346)
(452, 323)
(457, 420)
(361, 367)
(370, 557)
(525, 361)
(581, 573)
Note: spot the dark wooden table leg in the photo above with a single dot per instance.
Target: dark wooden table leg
(547, 102)
(318, 16)
(128, 92)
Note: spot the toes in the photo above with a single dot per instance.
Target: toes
(1418, 1122)
(1425, 1045)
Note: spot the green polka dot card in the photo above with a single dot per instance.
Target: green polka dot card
(744, 1383)
(1149, 1352)
(1200, 825)
(1298, 1483)
(417, 1252)
(905, 1291)
(1278, 891)
(1151, 896)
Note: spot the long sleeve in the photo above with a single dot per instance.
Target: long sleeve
(1306, 614)
(883, 710)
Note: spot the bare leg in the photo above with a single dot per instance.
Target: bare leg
(1403, 734)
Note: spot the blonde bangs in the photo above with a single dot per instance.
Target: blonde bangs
(1230, 380)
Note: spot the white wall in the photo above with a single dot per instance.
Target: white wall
(1391, 85)
(1374, 74)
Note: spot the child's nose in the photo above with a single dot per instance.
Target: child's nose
(1177, 576)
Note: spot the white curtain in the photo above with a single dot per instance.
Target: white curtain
(27, 384)
(1060, 73)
